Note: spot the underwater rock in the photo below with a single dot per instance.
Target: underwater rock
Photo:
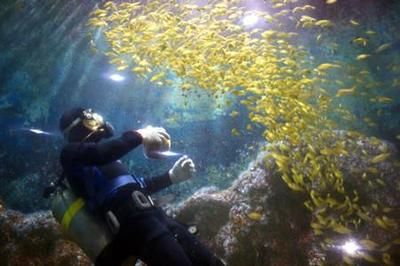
(260, 221)
(35, 239)
(249, 223)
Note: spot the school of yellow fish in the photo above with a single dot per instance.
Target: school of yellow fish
(290, 95)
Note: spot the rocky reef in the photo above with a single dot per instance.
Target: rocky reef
(35, 239)
(258, 220)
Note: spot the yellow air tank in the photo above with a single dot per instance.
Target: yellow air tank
(91, 234)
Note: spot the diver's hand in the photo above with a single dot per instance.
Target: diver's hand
(182, 170)
(154, 139)
(153, 134)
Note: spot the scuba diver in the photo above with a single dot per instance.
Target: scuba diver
(122, 200)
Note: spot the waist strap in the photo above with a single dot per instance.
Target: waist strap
(112, 186)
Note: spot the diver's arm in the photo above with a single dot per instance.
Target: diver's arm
(156, 183)
(182, 170)
(101, 153)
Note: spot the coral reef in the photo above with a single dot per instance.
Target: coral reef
(35, 239)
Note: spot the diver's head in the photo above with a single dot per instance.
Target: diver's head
(80, 124)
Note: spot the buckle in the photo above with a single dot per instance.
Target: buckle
(112, 222)
(141, 201)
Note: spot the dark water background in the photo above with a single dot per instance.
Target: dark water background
(47, 66)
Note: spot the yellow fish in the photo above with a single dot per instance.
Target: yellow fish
(157, 76)
(380, 158)
(383, 47)
(383, 99)
(235, 132)
(122, 67)
(255, 216)
(186, 86)
(303, 8)
(330, 2)
(345, 92)
(326, 66)
(360, 41)
(341, 229)
(234, 113)
(354, 22)
(324, 23)
(363, 57)
(367, 257)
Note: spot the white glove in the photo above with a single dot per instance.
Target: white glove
(182, 170)
(155, 139)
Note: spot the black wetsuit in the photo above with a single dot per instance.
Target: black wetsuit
(146, 234)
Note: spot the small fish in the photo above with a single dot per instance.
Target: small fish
(234, 114)
(380, 182)
(367, 257)
(122, 67)
(383, 47)
(327, 66)
(384, 99)
(255, 216)
(380, 158)
(341, 229)
(316, 226)
(330, 2)
(369, 244)
(363, 57)
(157, 76)
(348, 260)
(354, 22)
(235, 132)
(360, 41)
(303, 8)
(186, 86)
(324, 23)
(381, 223)
(278, 5)
(139, 70)
(345, 92)
(386, 210)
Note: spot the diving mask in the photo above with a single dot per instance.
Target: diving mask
(92, 121)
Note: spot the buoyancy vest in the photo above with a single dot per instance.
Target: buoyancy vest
(100, 188)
